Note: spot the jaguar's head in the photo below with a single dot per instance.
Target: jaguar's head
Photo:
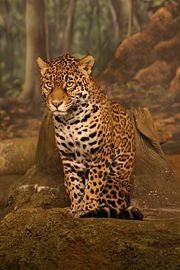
(65, 82)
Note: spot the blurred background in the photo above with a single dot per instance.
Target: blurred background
(51, 28)
(74, 26)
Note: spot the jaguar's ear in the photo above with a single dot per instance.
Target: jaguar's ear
(43, 65)
(86, 64)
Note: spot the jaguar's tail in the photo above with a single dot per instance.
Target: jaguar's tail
(107, 212)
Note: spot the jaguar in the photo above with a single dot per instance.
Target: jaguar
(94, 136)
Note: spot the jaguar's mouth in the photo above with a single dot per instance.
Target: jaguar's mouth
(61, 109)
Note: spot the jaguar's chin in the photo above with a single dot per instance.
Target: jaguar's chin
(60, 113)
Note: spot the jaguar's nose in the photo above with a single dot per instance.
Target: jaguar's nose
(56, 103)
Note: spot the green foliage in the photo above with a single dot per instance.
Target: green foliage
(158, 3)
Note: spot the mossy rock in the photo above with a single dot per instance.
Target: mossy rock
(49, 239)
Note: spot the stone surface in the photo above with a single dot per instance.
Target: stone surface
(49, 239)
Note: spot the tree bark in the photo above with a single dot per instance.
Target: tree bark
(36, 45)
(130, 17)
(88, 37)
(115, 23)
(68, 32)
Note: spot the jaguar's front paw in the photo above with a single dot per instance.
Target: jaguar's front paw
(80, 214)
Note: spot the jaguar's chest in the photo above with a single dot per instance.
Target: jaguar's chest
(78, 138)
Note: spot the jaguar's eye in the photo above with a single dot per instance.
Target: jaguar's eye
(49, 85)
(69, 84)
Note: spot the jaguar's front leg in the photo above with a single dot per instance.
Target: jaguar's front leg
(93, 189)
(74, 183)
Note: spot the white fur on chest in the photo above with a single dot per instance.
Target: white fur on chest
(76, 138)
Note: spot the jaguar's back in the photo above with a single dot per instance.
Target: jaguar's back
(94, 136)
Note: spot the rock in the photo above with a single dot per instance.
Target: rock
(159, 73)
(150, 56)
(49, 239)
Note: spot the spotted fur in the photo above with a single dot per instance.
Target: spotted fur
(95, 139)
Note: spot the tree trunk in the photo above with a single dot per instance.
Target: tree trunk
(123, 16)
(21, 149)
(68, 32)
(36, 45)
(130, 17)
(8, 53)
(115, 23)
(88, 37)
